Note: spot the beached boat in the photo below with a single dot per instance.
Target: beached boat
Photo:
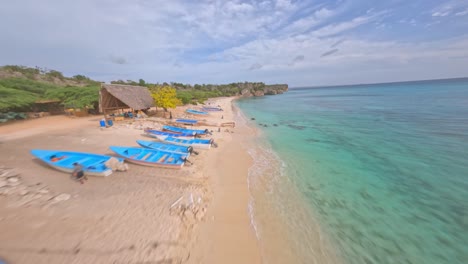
(195, 143)
(151, 157)
(93, 164)
(166, 147)
(187, 121)
(212, 109)
(185, 130)
(154, 133)
(196, 112)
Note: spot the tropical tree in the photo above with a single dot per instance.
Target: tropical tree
(165, 97)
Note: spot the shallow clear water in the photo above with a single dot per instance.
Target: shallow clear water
(383, 167)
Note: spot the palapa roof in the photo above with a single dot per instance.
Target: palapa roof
(113, 96)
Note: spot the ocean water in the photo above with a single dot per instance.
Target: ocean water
(377, 172)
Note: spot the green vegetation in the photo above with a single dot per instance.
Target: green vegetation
(19, 94)
(75, 97)
(14, 99)
(22, 86)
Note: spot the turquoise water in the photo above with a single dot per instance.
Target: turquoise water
(383, 167)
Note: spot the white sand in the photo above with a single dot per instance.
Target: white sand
(126, 217)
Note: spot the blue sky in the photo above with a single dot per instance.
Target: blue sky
(275, 41)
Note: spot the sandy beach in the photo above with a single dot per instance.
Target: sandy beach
(128, 217)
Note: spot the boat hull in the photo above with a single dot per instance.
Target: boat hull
(187, 121)
(196, 112)
(150, 157)
(189, 143)
(184, 150)
(93, 164)
(212, 109)
(156, 133)
(184, 130)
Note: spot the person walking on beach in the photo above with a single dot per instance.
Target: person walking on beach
(78, 173)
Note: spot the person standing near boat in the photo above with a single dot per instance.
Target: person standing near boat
(78, 172)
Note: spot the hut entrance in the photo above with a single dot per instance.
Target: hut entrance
(47, 107)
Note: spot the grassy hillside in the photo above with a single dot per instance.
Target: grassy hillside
(20, 87)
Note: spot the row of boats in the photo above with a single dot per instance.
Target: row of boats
(172, 151)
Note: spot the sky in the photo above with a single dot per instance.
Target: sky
(301, 43)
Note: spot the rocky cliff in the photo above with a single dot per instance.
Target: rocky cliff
(254, 90)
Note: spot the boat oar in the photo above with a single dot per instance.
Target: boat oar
(190, 149)
(186, 160)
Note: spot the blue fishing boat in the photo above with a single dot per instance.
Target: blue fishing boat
(166, 147)
(195, 143)
(187, 121)
(196, 112)
(93, 164)
(151, 157)
(185, 130)
(154, 133)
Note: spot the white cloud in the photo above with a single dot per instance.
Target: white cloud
(232, 7)
(307, 23)
(451, 7)
(219, 41)
(440, 14)
(462, 13)
(334, 29)
(284, 4)
(354, 57)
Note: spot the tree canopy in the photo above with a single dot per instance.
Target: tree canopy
(165, 97)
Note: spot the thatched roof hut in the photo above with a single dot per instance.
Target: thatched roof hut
(117, 96)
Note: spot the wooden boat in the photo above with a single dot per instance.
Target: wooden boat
(151, 157)
(185, 130)
(166, 147)
(195, 143)
(93, 164)
(196, 112)
(154, 133)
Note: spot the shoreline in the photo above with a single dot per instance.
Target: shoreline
(227, 235)
(129, 216)
(288, 229)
